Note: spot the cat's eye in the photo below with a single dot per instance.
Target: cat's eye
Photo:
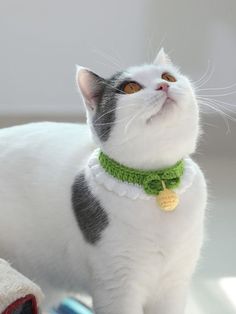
(168, 77)
(131, 87)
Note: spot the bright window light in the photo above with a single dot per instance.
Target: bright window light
(228, 285)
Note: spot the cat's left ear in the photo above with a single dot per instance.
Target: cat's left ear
(162, 58)
(91, 87)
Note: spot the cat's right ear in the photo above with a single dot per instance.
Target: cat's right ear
(90, 85)
(162, 58)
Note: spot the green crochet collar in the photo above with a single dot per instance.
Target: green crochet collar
(152, 181)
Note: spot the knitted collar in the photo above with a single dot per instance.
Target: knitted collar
(152, 181)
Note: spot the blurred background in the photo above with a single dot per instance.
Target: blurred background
(42, 41)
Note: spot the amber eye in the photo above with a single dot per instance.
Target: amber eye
(168, 77)
(131, 87)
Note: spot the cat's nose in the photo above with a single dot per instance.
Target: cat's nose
(163, 86)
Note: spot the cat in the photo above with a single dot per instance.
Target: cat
(69, 225)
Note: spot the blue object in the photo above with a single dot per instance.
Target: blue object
(71, 306)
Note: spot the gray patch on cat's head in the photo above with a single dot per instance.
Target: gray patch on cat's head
(100, 96)
(105, 114)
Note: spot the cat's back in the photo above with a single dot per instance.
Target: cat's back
(44, 136)
(43, 155)
(42, 146)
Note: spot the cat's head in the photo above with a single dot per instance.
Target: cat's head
(146, 116)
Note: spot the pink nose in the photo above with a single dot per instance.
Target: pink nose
(163, 86)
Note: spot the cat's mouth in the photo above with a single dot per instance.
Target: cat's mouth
(167, 102)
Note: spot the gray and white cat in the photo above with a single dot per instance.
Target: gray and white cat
(70, 226)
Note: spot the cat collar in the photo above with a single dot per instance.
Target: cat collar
(152, 181)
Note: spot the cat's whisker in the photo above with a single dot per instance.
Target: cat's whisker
(113, 123)
(226, 103)
(119, 121)
(107, 65)
(105, 114)
(139, 113)
(210, 124)
(206, 79)
(114, 109)
(218, 95)
(223, 105)
(223, 114)
(217, 88)
(203, 84)
(113, 87)
(132, 119)
(118, 58)
(115, 145)
(109, 58)
(118, 144)
(211, 103)
(204, 74)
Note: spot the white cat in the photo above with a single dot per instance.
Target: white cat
(68, 224)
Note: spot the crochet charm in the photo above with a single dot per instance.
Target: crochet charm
(167, 199)
(152, 184)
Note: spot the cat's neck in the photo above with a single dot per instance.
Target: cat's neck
(145, 161)
(158, 153)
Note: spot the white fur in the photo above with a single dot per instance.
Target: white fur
(145, 258)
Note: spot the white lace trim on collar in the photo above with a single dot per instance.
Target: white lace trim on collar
(134, 191)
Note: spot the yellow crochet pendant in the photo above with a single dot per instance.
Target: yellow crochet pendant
(167, 199)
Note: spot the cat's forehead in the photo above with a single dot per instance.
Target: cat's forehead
(147, 72)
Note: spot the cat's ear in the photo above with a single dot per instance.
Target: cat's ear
(162, 58)
(90, 85)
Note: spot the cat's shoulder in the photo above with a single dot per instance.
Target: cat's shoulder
(199, 173)
(41, 132)
(42, 128)
(44, 139)
(198, 188)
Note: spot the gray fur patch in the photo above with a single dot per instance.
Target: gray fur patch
(90, 215)
(105, 114)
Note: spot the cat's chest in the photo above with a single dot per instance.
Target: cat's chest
(142, 222)
(130, 208)
(116, 216)
(146, 239)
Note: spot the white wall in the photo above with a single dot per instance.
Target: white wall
(41, 41)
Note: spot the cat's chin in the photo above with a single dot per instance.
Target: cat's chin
(167, 106)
